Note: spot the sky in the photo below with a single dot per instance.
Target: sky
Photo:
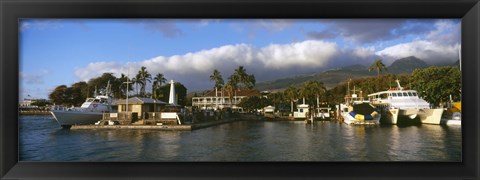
(57, 52)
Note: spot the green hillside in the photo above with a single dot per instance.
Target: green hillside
(406, 65)
(332, 78)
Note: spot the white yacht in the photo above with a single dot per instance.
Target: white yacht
(397, 103)
(356, 110)
(90, 112)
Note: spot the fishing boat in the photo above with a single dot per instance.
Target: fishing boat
(89, 112)
(322, 112)
(397, 103)
(355, 110)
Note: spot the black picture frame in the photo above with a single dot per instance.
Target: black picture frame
(11, 11)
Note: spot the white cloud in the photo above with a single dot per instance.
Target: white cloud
(98, 68)
(197, 66)
(364, 52)
(446, 32)
(441, 45)
(428, 51)
(303, 54)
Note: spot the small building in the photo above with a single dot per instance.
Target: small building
(269, 112)
(219, 99)
(302, 111)
(140, 105)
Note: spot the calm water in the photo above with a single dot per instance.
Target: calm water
(41, 139)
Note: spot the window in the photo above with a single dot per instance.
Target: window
(384, 96)
(399, 94)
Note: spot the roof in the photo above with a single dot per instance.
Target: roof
(391, 91)
(244, 92)
(137, 100)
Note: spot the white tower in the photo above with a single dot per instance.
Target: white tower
(172, 99)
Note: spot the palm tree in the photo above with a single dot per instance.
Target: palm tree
(318, 89)
(217, 77)
(160, 79)
(157, 82)
(312, 89)
(241, 76)
(378, 66)
(143, 77)
(136, 81)
(230, 87)
(250, 81)
(292, 94)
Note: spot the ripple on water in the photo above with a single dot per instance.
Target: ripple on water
(41, 139)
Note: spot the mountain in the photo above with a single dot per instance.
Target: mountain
(406, 65)
(332, 78)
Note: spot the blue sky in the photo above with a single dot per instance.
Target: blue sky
(57, 52)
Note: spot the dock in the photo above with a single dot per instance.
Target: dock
(183, 127)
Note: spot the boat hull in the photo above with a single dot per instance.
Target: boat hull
(69, 118)
(426, 116)
(395, 115)
(348, 119)
(430, 116)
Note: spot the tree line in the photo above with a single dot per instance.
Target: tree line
(76, 94)
(434, 84)
(239, 79)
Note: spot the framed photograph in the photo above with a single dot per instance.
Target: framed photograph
(223, 89)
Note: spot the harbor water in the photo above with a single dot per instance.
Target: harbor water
(42, 139)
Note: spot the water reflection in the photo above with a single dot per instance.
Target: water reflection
(42, 140)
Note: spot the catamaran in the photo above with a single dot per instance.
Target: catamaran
(397, 103)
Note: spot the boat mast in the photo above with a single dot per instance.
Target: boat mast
(398, 84)
(128, 81)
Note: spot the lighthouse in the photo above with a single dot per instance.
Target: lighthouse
(172, 100)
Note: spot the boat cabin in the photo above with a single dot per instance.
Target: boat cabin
(399, 99)
(350, 99)
(392, 94)
(302, 111)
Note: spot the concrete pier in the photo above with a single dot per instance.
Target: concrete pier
(185, 127)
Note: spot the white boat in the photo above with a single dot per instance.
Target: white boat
(397, 103)
(89, 112)
(322, 113)
(456, 119)
(357, 111)
(453, 114)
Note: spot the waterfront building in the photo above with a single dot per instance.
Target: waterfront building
(219, 99)
(140, 105)
(27, 103)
